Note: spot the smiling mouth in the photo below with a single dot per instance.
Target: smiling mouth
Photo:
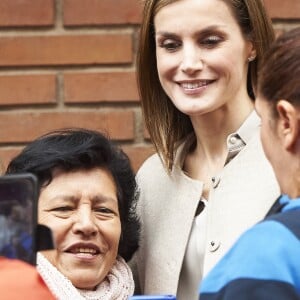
(195, 85)
(84, 250)
(81, 250)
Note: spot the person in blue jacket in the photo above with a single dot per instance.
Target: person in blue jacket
(265, 261)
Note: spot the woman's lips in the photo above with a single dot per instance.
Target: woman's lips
(84, 249)
(194, 84)
(194, 87)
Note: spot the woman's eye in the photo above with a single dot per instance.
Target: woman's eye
(63, 208)
(103, 210)
(169, 45)
(211, 41)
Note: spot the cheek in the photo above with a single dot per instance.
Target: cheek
(228, 64)
(161, 71)
(44, 218)
(268, 142)
(112, 234)
(58, 228)
(166, 63)
(47, 219)
(263, 138)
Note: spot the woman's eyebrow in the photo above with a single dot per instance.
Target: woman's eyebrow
(102, 198)
(204, 31)
(64, 197)
(166, 34)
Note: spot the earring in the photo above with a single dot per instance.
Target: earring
(251, 58)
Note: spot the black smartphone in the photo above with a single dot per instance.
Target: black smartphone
(18, 216)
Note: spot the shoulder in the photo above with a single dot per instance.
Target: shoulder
(152, 180)
(268, 251)
(151, 164)
(268, 241)
(30, 285)
(154, 165)
(151, 171)
(290, 220)
(158, 188)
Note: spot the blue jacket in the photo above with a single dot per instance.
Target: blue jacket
(264, 263)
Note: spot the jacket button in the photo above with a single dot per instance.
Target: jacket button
(214, 245)
(232, 140)
(215, 181)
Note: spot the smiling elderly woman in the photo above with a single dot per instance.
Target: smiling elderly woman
(87, 198)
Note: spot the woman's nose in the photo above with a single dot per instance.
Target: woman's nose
(191, 60)
(84, 222)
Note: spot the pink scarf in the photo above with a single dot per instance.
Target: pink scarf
(118, 284)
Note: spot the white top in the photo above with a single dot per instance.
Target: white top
(190, 274)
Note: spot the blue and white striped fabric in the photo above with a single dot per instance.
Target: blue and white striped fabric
(263, 264)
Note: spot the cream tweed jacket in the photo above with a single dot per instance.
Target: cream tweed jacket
(245, 190)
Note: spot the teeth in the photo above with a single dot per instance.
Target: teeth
(193, 85)
(85, 250)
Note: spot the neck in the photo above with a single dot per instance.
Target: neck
(212, 129)
(295, 185)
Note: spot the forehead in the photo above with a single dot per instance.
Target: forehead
(162, 3)
(96, 180)
(201, 13)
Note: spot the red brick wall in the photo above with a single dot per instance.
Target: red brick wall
(72, 63)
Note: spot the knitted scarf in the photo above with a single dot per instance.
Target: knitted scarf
(118, 284)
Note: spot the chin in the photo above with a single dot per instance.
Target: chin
(86, 281)
(86, 285)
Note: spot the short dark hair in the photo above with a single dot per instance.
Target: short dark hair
(279, 76)
(74, 149)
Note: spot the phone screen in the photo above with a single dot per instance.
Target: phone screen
(18, 217)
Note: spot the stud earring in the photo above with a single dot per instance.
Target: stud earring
(251, 58)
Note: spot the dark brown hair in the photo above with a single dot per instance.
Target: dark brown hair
(279, 77)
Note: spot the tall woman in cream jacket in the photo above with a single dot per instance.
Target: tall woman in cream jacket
(210, 180)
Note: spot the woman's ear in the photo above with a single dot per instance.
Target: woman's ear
(252, 53)
(289, 124)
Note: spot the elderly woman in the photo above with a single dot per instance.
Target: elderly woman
(87, 198)
(264, 263)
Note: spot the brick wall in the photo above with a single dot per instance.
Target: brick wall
(72, 63)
